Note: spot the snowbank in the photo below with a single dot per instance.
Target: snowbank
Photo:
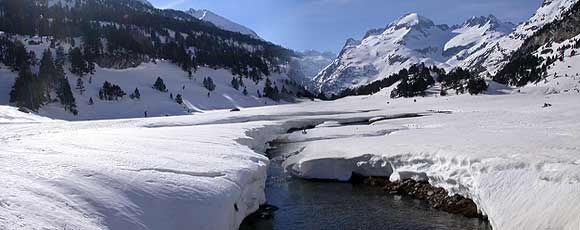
(518, 161)
(126, 175)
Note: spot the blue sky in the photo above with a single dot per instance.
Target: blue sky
(326, 24)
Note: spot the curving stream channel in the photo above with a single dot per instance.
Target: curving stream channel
(304, 204)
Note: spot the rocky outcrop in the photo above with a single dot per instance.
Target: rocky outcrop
(121, 61)
(437, 197)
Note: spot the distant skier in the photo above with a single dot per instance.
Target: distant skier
(145, 113)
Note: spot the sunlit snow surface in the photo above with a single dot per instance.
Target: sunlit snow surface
(518, 161)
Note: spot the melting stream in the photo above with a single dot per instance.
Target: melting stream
(304, 204)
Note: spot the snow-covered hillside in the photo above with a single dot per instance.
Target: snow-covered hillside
(155, 103)
(221, 22)
(410, 40)
(563, 75)
(495, 56)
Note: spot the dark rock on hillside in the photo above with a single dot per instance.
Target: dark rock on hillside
(437, 197)
(121, 62)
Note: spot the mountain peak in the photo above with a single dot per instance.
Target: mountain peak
(491, 20)
(222, 22)
(481, 20)
(412, 20)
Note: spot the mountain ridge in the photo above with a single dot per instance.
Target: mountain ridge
(409, 40)
(222, 22)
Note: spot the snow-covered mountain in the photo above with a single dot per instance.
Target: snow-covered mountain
(473, 36)
(221, 22)
(409, 40)
(308, 64)
(496, 55)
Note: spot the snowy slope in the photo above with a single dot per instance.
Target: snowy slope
(412, 39)
(495, 56)
(221, 22)
(11, 115)
(154, 102)
(563, 76)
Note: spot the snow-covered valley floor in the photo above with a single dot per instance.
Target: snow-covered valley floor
(518, 161)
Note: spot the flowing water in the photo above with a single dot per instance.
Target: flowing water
(331, 205)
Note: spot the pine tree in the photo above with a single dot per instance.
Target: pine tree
(160, 85)
(136, 94)
(78, 64)
(271, 92)
(21, 58)
(179, 99)
(241, 82)
(59, 61)
(476, 85)
(208, 84)
(111, 92)
(66, 96)
(80, 86)
(28, 90)
(47, 70)
(235, 83)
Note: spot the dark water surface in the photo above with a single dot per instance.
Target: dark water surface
(330, 205)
